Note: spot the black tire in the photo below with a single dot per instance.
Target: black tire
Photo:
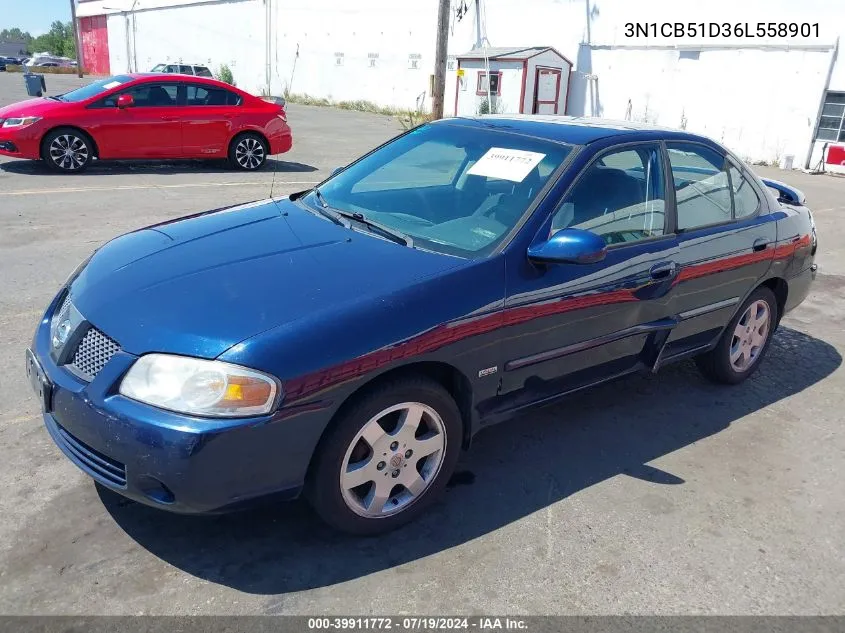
(78, 150)
(716, 364)
(248, 151)
(323, 487)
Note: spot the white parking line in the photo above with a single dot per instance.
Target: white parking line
(35, 192)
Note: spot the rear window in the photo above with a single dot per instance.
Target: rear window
(202, 71)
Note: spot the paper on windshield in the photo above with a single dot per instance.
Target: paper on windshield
(507, 164)
(110, 85)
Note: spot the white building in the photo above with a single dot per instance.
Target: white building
(778, 94)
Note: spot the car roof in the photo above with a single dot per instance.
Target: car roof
(177, 76)
(568, 129)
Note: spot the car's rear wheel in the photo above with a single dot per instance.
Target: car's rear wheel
(67, 150)
(387, 458)
(744, 342)
(248, 152)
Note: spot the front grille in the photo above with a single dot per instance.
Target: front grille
(94, 463)
(94, 351)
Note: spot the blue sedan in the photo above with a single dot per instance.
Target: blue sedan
(347, 342)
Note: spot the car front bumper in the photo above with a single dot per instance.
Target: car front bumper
(164, 459)
(20, 143)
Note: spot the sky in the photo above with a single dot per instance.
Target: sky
(34, 16)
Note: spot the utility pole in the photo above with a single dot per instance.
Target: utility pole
(439, 91)
(75, 25)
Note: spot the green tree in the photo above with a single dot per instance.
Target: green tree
(225, 74)
(15, 35)
(57, 41)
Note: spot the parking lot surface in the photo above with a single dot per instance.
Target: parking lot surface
(653, 494)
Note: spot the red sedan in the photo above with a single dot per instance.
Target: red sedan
(145, 116)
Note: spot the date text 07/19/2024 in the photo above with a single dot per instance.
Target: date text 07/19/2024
(416, 623)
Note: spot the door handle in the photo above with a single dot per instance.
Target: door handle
(169, 118)
(760, 244)
(663, 270)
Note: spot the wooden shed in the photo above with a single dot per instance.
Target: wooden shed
(533, 80)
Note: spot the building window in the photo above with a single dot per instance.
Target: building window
(831, 126)
(495, 83)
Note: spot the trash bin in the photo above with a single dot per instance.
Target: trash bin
(35, 86)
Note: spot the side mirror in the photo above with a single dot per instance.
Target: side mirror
(569, 246)
(335, 171)
(786, 194)
(125, 101)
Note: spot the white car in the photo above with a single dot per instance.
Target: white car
(183, 69)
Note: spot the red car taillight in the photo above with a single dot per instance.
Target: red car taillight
(283, 115)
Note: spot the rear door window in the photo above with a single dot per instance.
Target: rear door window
(746, 200)
(702, 189)
(210, 96)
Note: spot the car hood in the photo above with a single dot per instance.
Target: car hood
(199, 285)
(31, 107)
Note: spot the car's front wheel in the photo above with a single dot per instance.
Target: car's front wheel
(744, 341)
(248, 152)
(67, 150)
(387, 458)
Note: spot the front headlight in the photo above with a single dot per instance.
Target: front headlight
(21, 121)
(199, 387)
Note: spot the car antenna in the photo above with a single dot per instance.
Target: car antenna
(284, 107)
(273, 181)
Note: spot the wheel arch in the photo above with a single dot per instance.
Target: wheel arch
(446, 375)
(241, 133)
(780, 288)
(75, 128)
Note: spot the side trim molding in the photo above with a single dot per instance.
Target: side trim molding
(558, 352)
(710, 307)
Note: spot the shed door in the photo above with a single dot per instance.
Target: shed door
(546, 90)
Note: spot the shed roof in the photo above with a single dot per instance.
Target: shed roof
(509, 52)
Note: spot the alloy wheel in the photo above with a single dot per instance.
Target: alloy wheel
(69, 152)
(249, 153)
(393, 460)
(750, 335)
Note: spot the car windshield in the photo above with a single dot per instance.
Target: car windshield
(159, 68)
(93, 89)
(454, 188)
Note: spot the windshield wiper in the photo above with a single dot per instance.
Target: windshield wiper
(335, 216)
(375, 227)
(319, 195)
(323, 208)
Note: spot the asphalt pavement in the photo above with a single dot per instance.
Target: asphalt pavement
(651, 495)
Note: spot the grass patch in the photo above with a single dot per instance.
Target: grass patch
(44, 70)
(407, 118)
